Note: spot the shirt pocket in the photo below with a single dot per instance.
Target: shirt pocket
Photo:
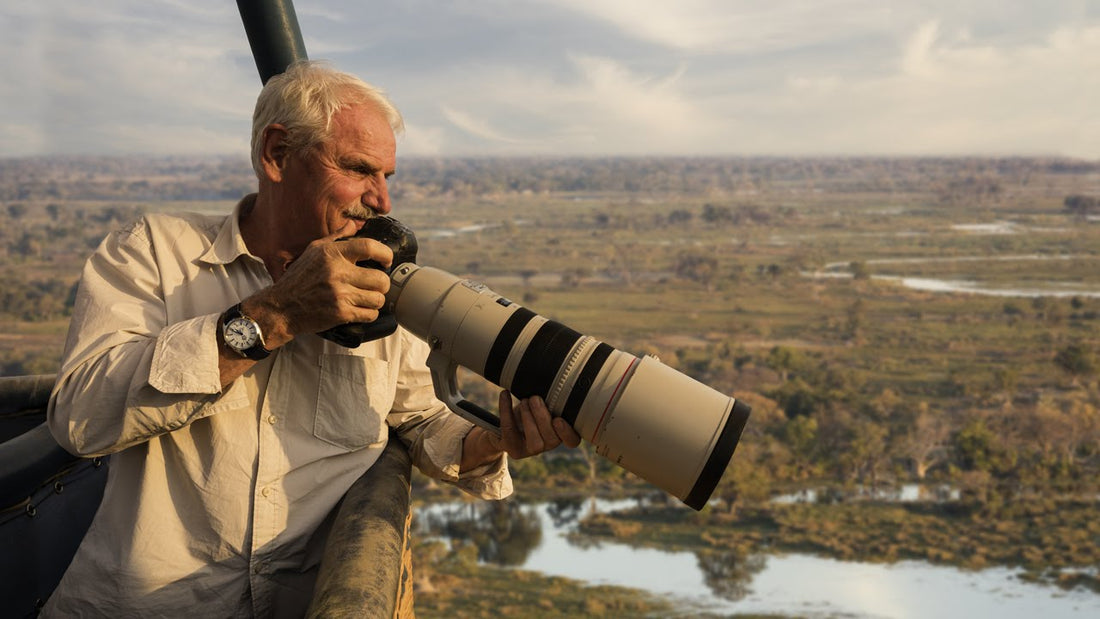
(354, 396)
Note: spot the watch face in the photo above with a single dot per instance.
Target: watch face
(241, 334)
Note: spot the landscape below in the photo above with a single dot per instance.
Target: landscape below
(798, 285)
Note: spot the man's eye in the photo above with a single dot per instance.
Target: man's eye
(361, 169)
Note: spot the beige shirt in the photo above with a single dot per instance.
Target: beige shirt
(216, 501)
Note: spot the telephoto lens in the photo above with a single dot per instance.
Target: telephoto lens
(648, 418)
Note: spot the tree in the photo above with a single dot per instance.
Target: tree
(800, 436)
(924, 443)
(1005, 380)
(625, 256)
(797, 398)
(772, 271)
(1055, 435)
(729, 573)
(526, 275)
(979, 448)
(717, 215)
(747, 478)
(29, 245)
(698, 267)
(972, 190)
(680, 216)
(1076, 360)
(859, 270)
(856, 314)
(17, 210)
(572, 277)
(504, 532)
(865, 454)
(1082, 206)
(784, 360)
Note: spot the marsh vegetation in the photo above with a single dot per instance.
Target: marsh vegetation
(787, 283)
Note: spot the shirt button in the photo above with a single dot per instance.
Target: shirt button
(271, 419)
(266, 491)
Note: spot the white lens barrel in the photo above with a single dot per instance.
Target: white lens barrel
(457, 317)
(652, 420)
(663, 426)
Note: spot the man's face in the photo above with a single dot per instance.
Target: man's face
(338, 185)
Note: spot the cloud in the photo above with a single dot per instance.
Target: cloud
(915, 59)
(123, 66)
(577, 77)
(598, 106)
(422, 140)
(753, 26)
(954, 96)
(617, 105)
(477, 127)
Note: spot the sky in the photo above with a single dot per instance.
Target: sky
(576, 77)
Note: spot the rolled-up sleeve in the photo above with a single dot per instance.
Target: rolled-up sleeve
(126, 375)
(434, 435)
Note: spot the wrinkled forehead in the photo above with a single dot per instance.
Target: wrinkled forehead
(364, 129)
(354, 97)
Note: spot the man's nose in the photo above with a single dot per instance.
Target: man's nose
(378, 198)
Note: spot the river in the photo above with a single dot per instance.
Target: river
(927, 284)
(841, 269)
(539, 540)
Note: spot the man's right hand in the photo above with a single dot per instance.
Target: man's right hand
(321, 289)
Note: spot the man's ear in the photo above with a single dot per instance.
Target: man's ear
(273, 156)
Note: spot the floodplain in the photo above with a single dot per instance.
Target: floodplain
(892, 322)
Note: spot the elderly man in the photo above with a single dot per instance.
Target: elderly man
(235, 430)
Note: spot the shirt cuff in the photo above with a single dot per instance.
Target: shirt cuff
(490, 481)
(185, 357)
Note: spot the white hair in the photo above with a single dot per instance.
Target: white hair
(304, 98)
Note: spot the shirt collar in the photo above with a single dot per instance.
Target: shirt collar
(229, 245)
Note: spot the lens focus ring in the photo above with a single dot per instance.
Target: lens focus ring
(569, 373)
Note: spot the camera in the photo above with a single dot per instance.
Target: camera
(402, 242)
(644, 416)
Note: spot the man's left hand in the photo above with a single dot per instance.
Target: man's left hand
(525, 430)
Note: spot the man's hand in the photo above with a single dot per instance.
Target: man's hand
(321, 289)
(525, 430)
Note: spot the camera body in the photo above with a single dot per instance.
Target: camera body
(401, 240)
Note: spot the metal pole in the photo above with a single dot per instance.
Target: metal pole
(273, 34)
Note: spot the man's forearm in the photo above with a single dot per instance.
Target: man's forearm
(230, 364)
(133, 390)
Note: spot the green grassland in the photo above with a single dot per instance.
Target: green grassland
(774, 281)
(757, 295)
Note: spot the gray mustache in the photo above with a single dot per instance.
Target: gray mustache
(359, 213)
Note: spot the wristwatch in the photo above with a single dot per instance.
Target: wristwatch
(243, 335)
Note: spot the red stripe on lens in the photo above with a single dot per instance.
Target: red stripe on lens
(599, 426)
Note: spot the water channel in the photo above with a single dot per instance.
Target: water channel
(542, 538)
(1050, 289)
